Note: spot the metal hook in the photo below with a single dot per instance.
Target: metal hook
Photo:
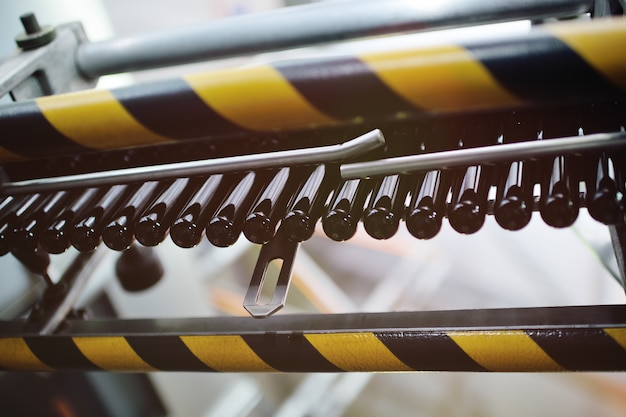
(280, 247)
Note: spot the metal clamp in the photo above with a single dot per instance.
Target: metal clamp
(48, 69)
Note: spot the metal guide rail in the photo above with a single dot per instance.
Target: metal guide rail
(591, 338)
(293, 199)
(559, 63)
(501, 127)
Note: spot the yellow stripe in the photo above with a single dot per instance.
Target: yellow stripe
(602, 44)
(111, 353)
(95, 119)
(257, 98)
(619, 334)
(15, 354)
(440, 78)
(508, 351)
(226, 353)
(356, 352)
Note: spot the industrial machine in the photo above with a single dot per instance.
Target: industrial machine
(413, 137)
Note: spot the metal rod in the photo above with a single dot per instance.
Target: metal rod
(502, 72)
(322, 154)
(585, 338)
(305, 25)
(61, 298)
(472, 156)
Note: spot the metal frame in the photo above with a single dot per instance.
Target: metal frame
(588, 338)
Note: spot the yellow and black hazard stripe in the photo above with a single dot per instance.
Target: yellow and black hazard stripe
(512, 350)
(568, 340)
(567, 62)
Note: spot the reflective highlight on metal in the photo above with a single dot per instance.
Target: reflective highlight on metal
(486, 154)
(304, 25)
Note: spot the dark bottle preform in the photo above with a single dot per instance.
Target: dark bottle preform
(87, 232)
(153, 226)
(559, 203)
(514, 198)
(55, 238)
(22, 212)
(119, 233)
(346, 208)
(428, 204)
(188, 228)
(225, 227)
(468, 207)
(382, 216)
(9, 206)
(260, 224)
(27, 233)
(307, 206)
(604, 201)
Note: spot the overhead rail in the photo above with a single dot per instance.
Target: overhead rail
(553, 64)
(306, 25)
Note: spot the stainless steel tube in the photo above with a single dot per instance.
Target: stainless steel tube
(486, 154)
(322, 154)
(306, 25)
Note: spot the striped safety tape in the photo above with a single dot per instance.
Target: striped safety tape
(544, 350)
(540, 348)
(574, 61)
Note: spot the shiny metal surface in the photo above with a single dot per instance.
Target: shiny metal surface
(496, 153)
(322, 154)
(306, 25)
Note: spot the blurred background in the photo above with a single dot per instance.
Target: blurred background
(537, 266)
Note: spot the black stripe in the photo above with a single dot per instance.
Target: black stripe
(582, 349)
(289, 352)
(167, 353)
(25, 131)
(543, 69)
(343, 88)
(428, 351)
(59, 353)
(185, 115)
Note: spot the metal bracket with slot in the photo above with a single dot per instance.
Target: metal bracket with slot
(280, 247)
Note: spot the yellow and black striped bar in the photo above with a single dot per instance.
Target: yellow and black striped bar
(585, 338)
(580, 61)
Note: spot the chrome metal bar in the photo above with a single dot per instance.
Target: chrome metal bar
(306, 25)
(580, 338)
(61, 298)
(322, 154)
(486, 154)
